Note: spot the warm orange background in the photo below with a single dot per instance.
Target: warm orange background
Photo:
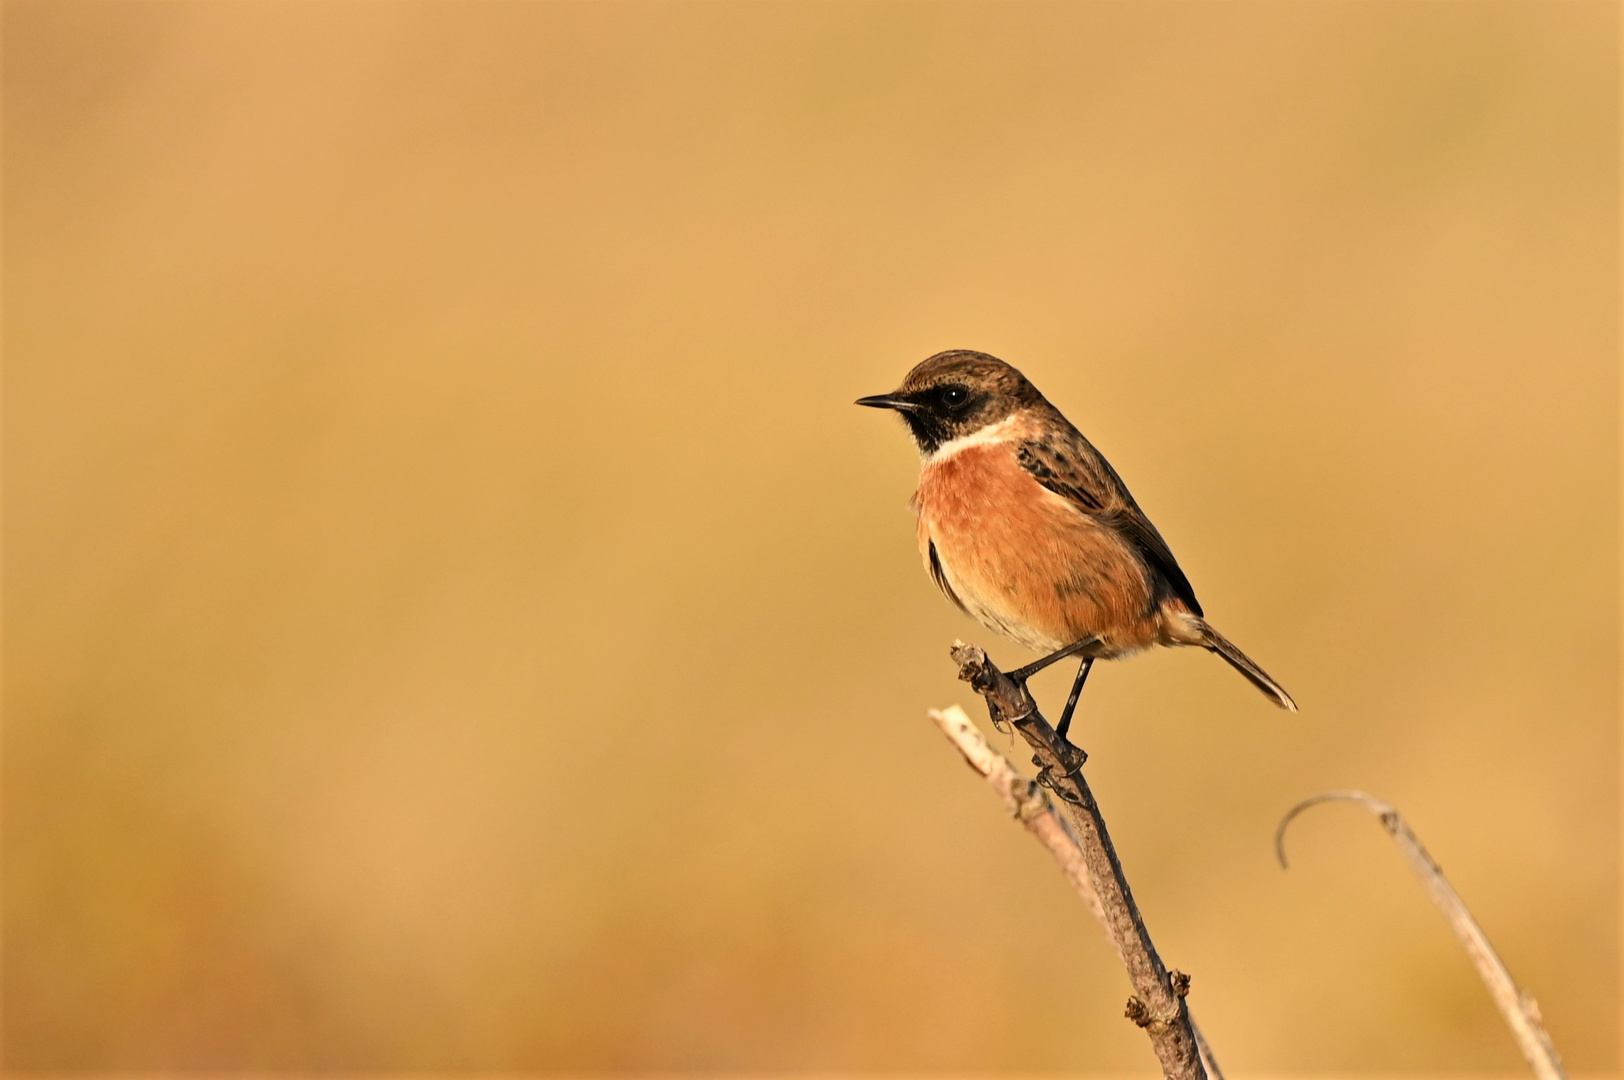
(455, 616)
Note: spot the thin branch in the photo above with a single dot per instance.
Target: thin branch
(1025, 800)
(1158, 1003)
(1517, 1006)
(1207, 1058)
(1028, 804)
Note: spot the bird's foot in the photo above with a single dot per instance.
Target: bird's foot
(1071, 760)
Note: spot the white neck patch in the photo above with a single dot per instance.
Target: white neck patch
(1003, 431)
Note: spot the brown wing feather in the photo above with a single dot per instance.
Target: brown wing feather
(940, 578)
(1068, 465)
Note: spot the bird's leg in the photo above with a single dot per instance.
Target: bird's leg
(1020, 675)
(1071, 702)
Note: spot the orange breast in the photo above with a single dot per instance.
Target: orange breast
(1024, 561)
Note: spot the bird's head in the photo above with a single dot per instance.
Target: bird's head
(956, 394)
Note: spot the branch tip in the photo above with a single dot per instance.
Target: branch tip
(1373, 804)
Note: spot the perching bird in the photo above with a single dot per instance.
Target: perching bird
(1027, 528)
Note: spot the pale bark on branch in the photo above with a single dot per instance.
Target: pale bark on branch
(1517, 1006)
(1158, 1004)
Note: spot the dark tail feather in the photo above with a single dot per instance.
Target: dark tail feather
(1242, 663)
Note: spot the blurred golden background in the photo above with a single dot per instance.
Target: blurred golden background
(456, 618)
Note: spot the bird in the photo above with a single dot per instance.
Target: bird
(1026, 527)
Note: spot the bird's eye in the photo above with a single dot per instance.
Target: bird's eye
(955, 397)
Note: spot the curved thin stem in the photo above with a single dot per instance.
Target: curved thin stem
(1517, 1006)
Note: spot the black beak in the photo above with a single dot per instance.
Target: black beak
(888, 401)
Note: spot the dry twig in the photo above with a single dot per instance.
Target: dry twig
(1158, 1003)
(1517, 1006)
(1031, 807)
